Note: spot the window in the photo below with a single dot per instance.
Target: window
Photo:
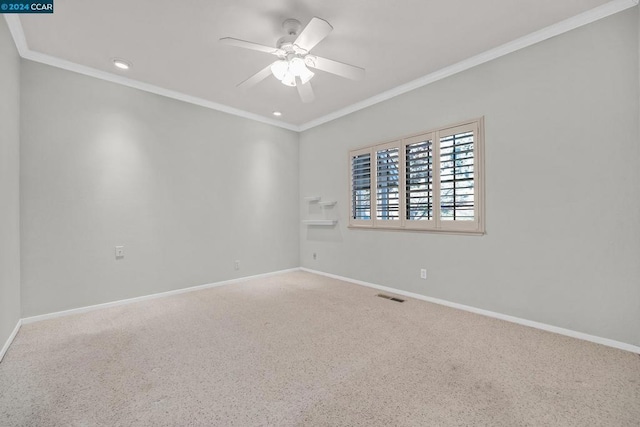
(432, 181)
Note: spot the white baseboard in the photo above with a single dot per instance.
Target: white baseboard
(6, 345)
(86, 309)
(538, 325)
(545, 327)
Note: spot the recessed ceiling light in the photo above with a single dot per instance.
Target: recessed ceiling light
(277, 113)
(122, 64)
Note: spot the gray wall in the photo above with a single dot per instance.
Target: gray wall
(562, 184)
(9, 184)
(185, 189)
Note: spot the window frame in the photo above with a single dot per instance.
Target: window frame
(436, 224)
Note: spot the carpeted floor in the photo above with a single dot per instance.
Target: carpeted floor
(302, 349)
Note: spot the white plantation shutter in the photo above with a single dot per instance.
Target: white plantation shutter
(361, 187)
(387, 179)
(458, 177)
(433, 181)
(418, 167)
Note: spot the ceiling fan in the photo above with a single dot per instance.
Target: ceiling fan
(294, 59)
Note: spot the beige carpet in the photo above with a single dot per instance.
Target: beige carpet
(301, 349)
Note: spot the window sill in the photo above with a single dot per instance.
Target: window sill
(421, 230)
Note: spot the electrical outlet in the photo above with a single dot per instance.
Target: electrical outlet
(236, 265)
(119, 252)
(423, 273)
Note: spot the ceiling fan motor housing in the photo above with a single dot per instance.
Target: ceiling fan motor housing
(287, 43)
(292, 27)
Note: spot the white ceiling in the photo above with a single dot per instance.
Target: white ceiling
(174, 45)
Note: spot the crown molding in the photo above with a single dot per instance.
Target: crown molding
(136, 84)
(569, 24)
(614, 6)
(15, 27)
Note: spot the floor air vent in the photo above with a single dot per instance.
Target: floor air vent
(390, 298)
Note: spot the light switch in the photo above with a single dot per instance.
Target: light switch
(119, 252)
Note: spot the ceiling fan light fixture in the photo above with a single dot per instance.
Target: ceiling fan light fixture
(289, 79)
(279, 69)
(306, 75)
(299, 69)
(296, 66)
(287, 70)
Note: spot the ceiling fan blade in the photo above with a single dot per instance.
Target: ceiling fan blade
(305, 91)
(334, 67)
(256, 78)
(253, 46)
(316, 30)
